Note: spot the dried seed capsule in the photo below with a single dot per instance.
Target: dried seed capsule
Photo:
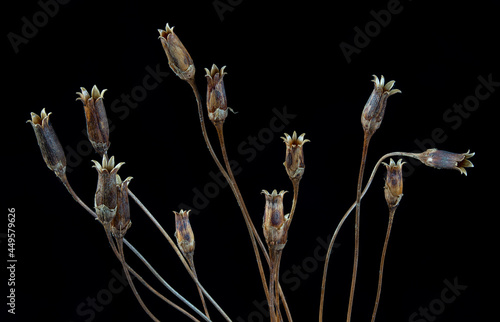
(275, 223)
(97, 121)
(52, 151)
(121, 221)
(393, 188)
(184, 233)
(446, 160)
(216, 94)
(294, 158)
(179, 59)
(105, 200)
(374, 110)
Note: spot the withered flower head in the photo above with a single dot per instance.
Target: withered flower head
(275, 224)
(52, 151)
(184, 233)
(447, 160)
(373, 112)
(393, 188)
(294, 158)
(97, 121)
(216, 94)
(121, 221)
(105, 200)
(178, 57)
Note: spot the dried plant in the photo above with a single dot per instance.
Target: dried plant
(111, 202)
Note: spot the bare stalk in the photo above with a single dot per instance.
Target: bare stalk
(190, 260)
(366, 142)
(139, 277)
(392, 211)
(339, 226)
(274, 306)
(276, 286)
(295, 197)
(241, 203)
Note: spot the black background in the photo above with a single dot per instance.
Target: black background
(277, 54)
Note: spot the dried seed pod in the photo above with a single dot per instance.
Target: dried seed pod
(446, 160)
(121, 221)
(184, 233)
(374, 110)
(275, 223)
(393, 188)
(105, 200)
(294, 158)
(216, 94)
(52, 151)
(179, 59)
(97, 121)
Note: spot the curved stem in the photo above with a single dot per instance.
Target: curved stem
(392, 211)
(339, 226)
(295, 197)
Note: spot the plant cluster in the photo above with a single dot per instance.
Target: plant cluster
(111, 202)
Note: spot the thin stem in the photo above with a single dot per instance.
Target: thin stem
(119, 242)
(339, 226)
(295, 197)
(273, 298)
(239, 198)
(366, 142)
(178, 252)
(276, 283)
(138, 254)
(139, 277)
(65, 182)
(190, 260)
(392, 211)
